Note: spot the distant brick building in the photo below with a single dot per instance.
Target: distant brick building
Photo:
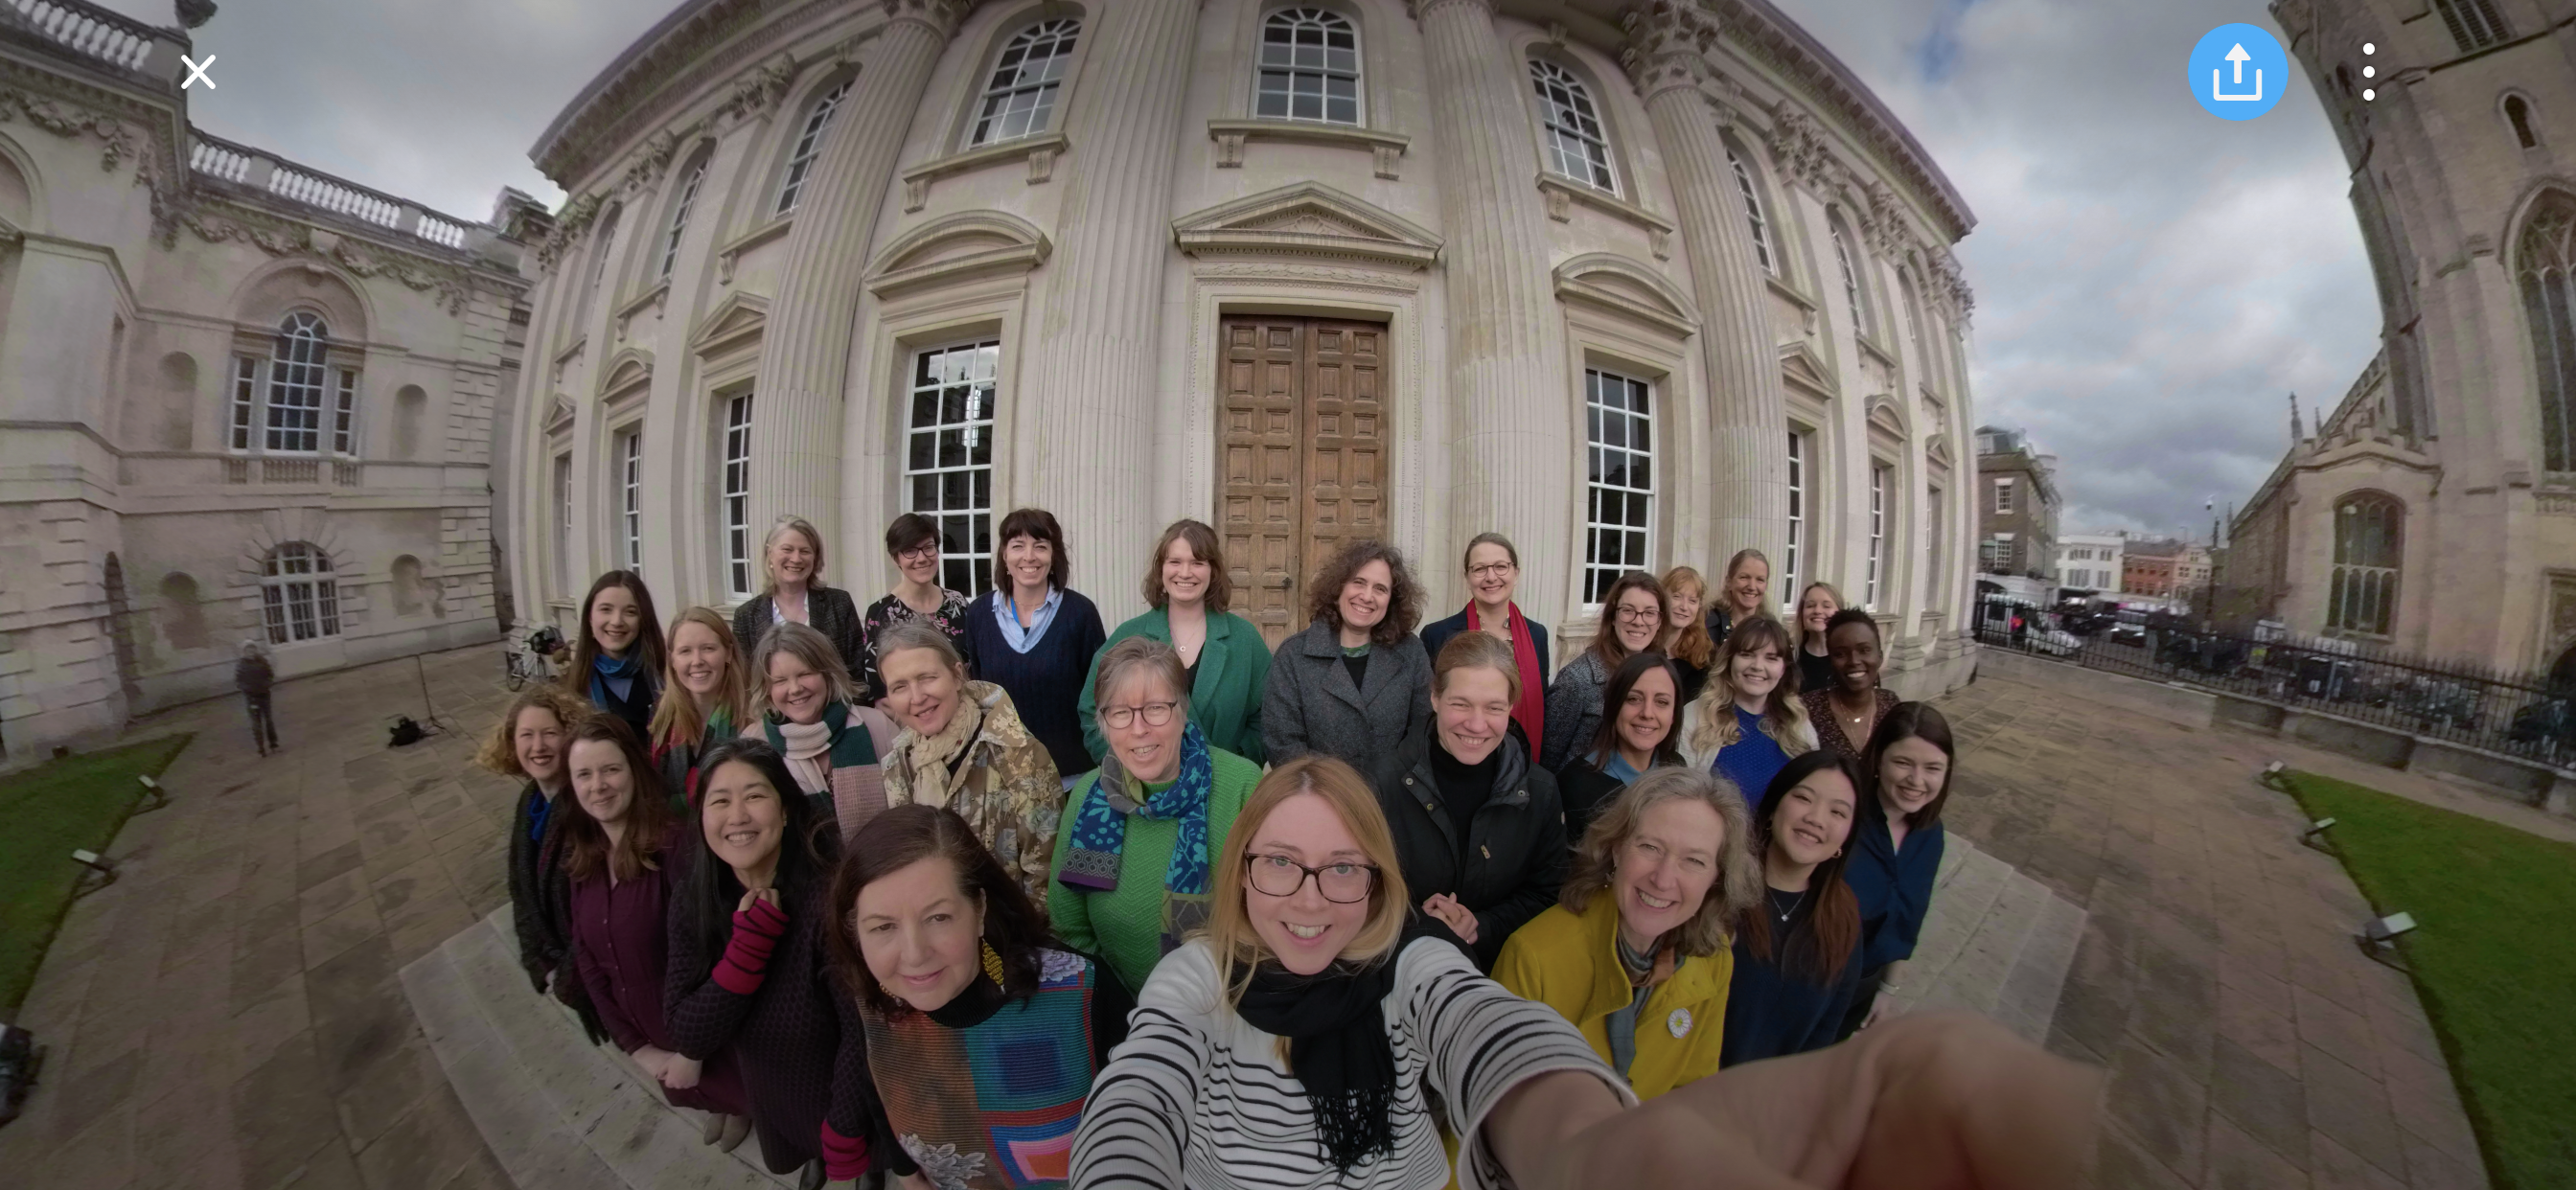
(2017, 505)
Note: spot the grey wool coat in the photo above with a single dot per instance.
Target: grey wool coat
(1310, 705)
(1573, 709)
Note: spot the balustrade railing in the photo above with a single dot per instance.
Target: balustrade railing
(217, 160)
(88, 29)
(220, 159)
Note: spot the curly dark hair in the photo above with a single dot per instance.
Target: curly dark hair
(1404, 601)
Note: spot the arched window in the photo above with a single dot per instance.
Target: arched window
(1310, 67)
(2544, 260)
(1577, 145)
(809, 145)
(297, 594)
(297, 376)
(1019, 97)
(1854, 297)
(606, 237)
(2517, 111)
(680, 213)
(2475, 24)
(1753, 213)
(2368, 531)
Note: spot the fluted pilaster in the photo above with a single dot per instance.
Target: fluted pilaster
(1509, 403)
(1095, 361)
(1748, 419)
(796, 408)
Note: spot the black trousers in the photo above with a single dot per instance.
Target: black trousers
(263, 722)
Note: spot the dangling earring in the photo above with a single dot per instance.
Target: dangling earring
(992, 963)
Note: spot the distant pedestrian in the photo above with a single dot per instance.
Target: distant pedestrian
(254, 676)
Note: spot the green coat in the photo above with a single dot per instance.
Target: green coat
(1234, 669)
(1124, 926)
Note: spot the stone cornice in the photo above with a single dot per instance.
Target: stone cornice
(698, 45)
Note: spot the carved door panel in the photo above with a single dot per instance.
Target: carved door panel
(1302, 442)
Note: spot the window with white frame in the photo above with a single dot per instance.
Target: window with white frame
(563, 525)
(948, 456)
(1619, 518)
(680, 216)
(1797, 552)
(809, 145)
(630, 499)
(736, 496)
(1578, 146)
(2003, 495)
(344, 414)
(1852, 297)
(1753, 213)
(1878, 494)
(1019, 96)
(298, 368)
(2368, 529)
(299, 598)
(245, 400)
(1310, 67)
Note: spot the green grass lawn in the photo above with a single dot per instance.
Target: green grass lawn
(2494, 954)
(50, 811)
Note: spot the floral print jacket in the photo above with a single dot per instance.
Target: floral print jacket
(1005, 786)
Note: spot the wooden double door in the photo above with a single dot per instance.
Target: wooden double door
(1302, 439)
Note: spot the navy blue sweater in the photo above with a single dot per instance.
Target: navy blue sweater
(1772, 1012)
(1894, 887)
(1045, 683)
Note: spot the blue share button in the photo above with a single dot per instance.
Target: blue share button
(2238, 71)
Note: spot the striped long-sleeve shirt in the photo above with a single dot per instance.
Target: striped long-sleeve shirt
(1198, 1097)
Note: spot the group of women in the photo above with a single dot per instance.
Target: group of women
(969, 893)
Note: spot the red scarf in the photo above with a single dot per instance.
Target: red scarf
(1531, 710)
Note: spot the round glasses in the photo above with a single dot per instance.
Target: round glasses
(1639, 615)
(1280, 876)
(1155, 714)
(918, 553)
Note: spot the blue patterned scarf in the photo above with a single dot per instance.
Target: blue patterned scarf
(1100, 836)
(617, 673)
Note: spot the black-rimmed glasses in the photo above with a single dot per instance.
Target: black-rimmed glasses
(1280, 876)
(1156, 714)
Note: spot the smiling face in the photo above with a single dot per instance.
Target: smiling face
(744, 820)
(1686, 599)
(1149, 753)
(698, 659)
(1472, 712)
(796, 690)
(1755, 672)
(1853, 651)
(791, 559)
(1028, 559)
(1666, 867)
(1185, 575)
(1911, 772)
(602, 779)
(921, 933)
(1813, 818)
(1639, 618)
(922, 689)
(1366, 595)
(1747, 585)
(1304, 930)
(1646, 715)
(919, 564)
(1492, 574)
(1815, 609)
(538, 741)
(615, 618)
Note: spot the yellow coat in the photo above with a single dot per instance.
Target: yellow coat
(1570, 962)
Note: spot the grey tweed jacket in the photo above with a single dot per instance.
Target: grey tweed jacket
(1310, 704)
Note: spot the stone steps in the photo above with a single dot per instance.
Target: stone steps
(556, 1111)
(1995, 941)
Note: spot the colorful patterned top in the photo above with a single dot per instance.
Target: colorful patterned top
(892, 610)
(985, 1092)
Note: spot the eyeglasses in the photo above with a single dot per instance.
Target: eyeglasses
(918, 553)
(1280, 876)
(1490, 570)
(1639, 615)
(1156, 714)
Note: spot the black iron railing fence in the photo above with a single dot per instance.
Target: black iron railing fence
(2515, 714)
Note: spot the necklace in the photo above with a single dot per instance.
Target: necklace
(1794, 902)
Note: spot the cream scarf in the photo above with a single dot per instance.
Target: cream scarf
(931, 783)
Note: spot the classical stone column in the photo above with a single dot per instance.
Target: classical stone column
(796, 407)
(1095, 362)
(1748, 419)
(1510, 403)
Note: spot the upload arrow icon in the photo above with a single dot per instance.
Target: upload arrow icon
(2237, 71)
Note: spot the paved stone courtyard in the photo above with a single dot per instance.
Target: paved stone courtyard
(233, 1012)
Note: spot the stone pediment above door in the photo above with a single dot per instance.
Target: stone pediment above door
(1309, 220)
(953, 248)
(559, 415)
(1800, 366)
(736, 320)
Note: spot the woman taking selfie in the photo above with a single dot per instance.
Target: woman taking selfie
(912, 544)
(1686, 639)
(1632, 620)
(832, 747)
(1816, 608)
(621, 841)
(1352, 683)
(963, 748)
(1636, 953)
(1755, 723)
(1797, 951)
(983, 1033)
(792, 592)
(1134, 852)
(1896, 849)
(619, 660)
(749, 972)
(1223, 659)
(1493, 575)
(1644, 732)
(706, 697)
(1845, 713)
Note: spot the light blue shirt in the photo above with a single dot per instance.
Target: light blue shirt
(1618, 769)
(1007, 614)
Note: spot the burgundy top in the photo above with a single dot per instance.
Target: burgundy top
(620, 941)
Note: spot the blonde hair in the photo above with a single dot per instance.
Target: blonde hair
(1690, 642)
(1141, 656)
(1798, 612)
(677, 717)
(805, 644)
(813, 537)
(1726, 586)
(1739, 882)
(1473, 650)
(1784, 714)
(1229, 930)
(500, 750)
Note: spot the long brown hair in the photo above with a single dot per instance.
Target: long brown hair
(1229, 930)
(1205, 548)
(1784, 714)
(677, 717)
(648, 632)
(1605, 742)
(901, 836)
(1833, 925)
(1912, 721)
(1403, 597)
(1688, 643)
(648, 810)
(1605, 637)
(1739, 882)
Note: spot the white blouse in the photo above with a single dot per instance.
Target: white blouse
(1197, 1097)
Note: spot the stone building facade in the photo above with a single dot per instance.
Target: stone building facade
(2433, 510)
(239, 399)
(1634, 284)
(2091, 562)
(2017, 505)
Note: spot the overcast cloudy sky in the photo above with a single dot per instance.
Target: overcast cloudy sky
(2151, 281)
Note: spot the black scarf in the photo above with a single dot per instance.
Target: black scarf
(1337, 1047)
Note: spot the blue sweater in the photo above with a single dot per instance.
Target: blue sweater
(1772, 1012)
(1751, 761)
(1894, 887)
(1045, 683)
